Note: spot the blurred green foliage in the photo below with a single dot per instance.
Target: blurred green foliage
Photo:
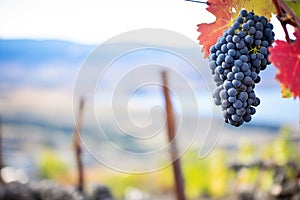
(51, 165)
(210, 177)
(207, 176)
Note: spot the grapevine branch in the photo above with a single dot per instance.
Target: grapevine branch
(286, 16)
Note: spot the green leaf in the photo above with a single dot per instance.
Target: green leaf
(295, 6)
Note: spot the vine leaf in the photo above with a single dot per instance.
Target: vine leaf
(295, 6)
(209, 33)
(225, 11)
(286, 58)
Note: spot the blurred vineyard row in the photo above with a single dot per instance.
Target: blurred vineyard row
(270, 171)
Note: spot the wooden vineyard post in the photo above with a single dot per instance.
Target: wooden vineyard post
(1, 151)
(178, 177)
(77, 146)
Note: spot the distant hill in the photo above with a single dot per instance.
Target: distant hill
(36, 51)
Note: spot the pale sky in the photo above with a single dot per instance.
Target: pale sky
(92, 21)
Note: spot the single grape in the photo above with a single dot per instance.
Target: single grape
(227, 84)
(232, 92)
(236, 83)
(236, 38)
(260, 56)
(255, 18)
(229, 38)
(250, 101)
(230, 45)
(236, 117)
(230, 76)
(217, 101)
(243, 96)
(225, 103)
(248, 81)
(235, 69)
(235, 25)
(241, 34)
(239, 20)
(268, 33)
(239, 76)
(248, 72)
(256, 63)
(249, 39)
(258, 35)
(225, 65)
(259, 26)
(231, 52)
(243, 88)
(256, 102)
(252, 30)
(230, 110)
(219, 70)
(238, 104)
(247, 118)
(228, 59)
(240, 44)
(231, 99)
(245, 67)
(238, 63)
(244, 50)
(223, 94)
(257, 42)
(254, 75)
(213, 56)
(263, 50)
(252, 111)
(243, 13)
(241, 111)
(218, 46)
(257, 80)
(213, 49)
(224, 48)
(245, 26)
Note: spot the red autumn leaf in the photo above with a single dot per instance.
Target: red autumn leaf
(209, 33)
(286, 58)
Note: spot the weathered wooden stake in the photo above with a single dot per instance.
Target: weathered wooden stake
(1, 152)
(179, 182)
(77, 146)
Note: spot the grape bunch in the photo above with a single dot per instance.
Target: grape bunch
(236, 61)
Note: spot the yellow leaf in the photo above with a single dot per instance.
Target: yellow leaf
(286, 92)
(259, 7)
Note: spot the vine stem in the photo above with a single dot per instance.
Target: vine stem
(282, 9)
(195, 1)
(287, 9)
(283, 24)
